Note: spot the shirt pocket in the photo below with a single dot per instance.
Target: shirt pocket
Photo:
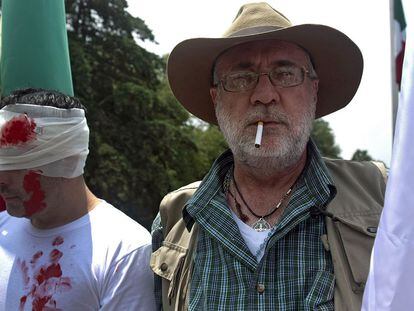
(321, 294)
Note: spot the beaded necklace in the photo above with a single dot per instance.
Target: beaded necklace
(261, 224)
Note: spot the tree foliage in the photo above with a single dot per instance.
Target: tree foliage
(361, 155)
(143, 143)
(140, 146)
(324, 138)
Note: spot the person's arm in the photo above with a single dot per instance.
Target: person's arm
(130, 283)
(157, 239)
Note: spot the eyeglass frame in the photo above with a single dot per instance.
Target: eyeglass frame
(305, 72)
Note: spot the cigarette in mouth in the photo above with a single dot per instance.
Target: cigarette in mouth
(259, 133)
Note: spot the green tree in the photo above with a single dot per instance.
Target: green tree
(324, 138)
(140, 140)
(361, 155)
(210, 144)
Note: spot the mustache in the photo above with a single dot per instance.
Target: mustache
(267, 115)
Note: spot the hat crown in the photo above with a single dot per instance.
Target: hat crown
(254, 18)
(339, 67)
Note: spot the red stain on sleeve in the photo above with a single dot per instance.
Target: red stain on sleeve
(2, 204)
(31, 184)
(58, 241)
(18, 130)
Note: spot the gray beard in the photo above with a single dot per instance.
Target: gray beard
(269, 160)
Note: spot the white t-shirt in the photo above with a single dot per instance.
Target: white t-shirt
(254, 240)
(97, 262)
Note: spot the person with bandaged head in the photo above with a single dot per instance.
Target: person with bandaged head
(61, 247)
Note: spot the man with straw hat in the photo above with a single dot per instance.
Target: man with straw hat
(61, 248)
(272, 226)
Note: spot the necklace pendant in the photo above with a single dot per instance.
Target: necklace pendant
(261, 225)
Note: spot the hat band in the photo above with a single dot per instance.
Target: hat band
(254, 31)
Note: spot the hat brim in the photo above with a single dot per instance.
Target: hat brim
(337, 60)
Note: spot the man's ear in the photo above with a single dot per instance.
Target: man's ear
(214, 94)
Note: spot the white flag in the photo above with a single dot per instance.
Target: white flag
(390, 283)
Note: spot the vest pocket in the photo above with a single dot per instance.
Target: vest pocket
(356, 237)
(167, 262)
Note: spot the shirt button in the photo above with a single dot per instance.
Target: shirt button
(260, 288)
(164, 267)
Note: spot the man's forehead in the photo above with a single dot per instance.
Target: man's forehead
(272, 52)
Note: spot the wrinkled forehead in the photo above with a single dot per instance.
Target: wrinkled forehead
(261, 54)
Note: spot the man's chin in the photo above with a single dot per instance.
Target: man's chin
(16, 211)
(272, 158)
(265, 150)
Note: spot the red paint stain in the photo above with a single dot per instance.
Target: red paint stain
(31, 184)
(33, 290)
(36, 257)
(47, 280)
(18, 130)
(22, 302)
(55, 255)
(39, 303)
(52, 271)
(65, 284)
(25, 271)
(58, 241)
(2, 204)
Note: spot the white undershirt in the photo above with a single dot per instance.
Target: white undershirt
(253, 238)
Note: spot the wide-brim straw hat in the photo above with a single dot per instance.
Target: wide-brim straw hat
(336, 58)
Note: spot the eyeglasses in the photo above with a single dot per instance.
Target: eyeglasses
(284, 76)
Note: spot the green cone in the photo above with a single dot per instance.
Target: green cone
(34, 47)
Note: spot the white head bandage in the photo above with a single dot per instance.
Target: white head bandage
(51, 140)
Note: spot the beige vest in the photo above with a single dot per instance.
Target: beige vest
(350, 234)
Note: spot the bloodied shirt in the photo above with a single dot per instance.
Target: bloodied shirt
(98, 262)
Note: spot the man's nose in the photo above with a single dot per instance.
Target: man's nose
(265, 92)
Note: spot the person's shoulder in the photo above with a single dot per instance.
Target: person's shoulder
(370, 169)
(117, 226)
(184, 193)
(172, 204)
(187, 188)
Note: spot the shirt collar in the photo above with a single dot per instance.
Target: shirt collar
(210, 186)
(315, 175)
(317, 178)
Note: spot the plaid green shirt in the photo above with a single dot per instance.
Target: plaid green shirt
(295, 273)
